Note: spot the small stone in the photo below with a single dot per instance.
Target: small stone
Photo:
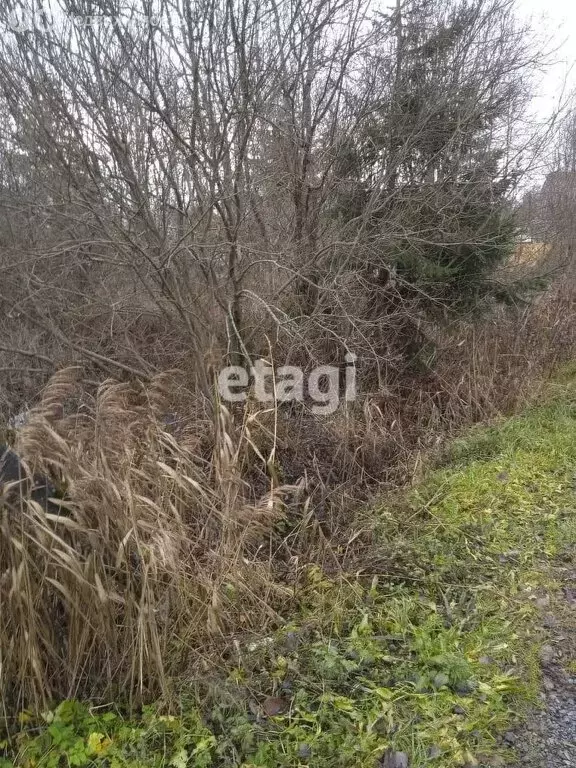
(440, 680)
(510, 737)
(304, 751)
(434, 752)
(464, 688)
(458, 710)
(392, 759)
(548, 684)
(274, 705)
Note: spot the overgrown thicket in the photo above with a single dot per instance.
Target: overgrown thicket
(189, 184)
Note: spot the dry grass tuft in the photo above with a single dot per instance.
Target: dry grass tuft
(154, 552)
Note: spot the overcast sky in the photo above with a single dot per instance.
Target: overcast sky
(556, 20)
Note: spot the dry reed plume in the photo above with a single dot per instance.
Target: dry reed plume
(151, 556)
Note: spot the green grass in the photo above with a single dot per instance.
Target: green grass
(435, 655)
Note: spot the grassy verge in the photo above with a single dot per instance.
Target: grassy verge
(433, 661)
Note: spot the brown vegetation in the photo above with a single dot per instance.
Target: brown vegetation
(174, 538)
(267, 180)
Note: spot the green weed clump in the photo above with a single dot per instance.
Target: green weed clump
(432, 653)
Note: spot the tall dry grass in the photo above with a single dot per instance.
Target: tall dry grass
(153, 555)
(168, 544)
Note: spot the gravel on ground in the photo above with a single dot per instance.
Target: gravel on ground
(548, 738)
